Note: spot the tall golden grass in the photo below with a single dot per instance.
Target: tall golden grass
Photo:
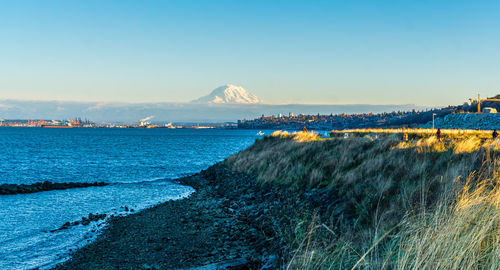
(465, 235)
(410, 204)
(298, 136)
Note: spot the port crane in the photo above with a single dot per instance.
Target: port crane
(478, 100)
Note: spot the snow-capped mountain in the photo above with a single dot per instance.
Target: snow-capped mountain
(229, 94)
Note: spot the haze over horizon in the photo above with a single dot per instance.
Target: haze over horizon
(284, 52)
(227, 103)
(227, 94)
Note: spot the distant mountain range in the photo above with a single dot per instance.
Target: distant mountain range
(227, 103)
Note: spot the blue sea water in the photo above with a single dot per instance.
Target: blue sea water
(138, 164)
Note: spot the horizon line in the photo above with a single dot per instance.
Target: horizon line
(215, 104)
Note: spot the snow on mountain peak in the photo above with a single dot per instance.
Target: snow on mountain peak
(229, 94)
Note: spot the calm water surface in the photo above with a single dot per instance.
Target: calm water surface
(136, 162)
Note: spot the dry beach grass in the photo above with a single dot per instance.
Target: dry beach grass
(417, 204)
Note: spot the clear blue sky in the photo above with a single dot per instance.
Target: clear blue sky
(377, 52)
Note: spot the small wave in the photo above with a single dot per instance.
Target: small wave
(155, 180)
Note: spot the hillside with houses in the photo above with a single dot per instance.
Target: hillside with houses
(463, 116)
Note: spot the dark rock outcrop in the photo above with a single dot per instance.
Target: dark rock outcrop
(10, 189)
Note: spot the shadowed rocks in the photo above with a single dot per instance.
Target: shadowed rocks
(84, 221)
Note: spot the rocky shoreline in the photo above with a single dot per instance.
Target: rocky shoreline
(482, 121)
(231, 219)
(11, 189)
